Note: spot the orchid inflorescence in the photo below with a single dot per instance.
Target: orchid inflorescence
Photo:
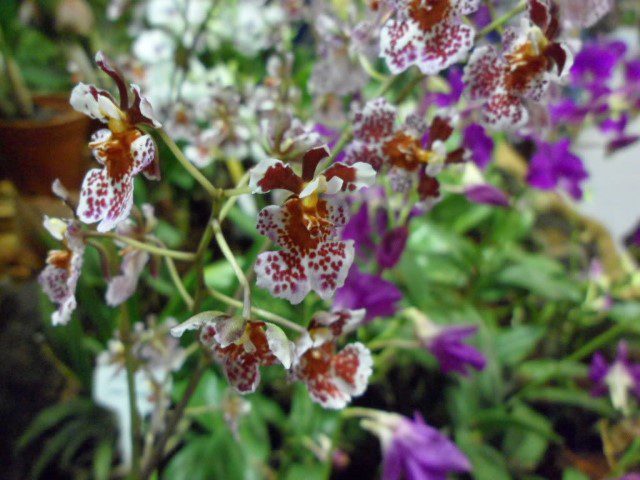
(386, 163)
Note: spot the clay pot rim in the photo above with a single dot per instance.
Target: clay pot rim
(65, 114)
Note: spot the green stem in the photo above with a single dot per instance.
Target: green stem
(231, 201)
(272, 317)
(199, 262)
(175, 277)
(235, 192)
(360, 412)
(163, 252)
(189, 167)
(598, 342)
(158, 452)
(500, 21)
(125, 337)
(393, 342)
(228, 254)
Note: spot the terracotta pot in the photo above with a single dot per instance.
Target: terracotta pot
(33, 153)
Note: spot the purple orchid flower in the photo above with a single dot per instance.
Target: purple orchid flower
(596, 62)
(554, 165)
(446, 343)
(618, 378)
(486, 194)
(392, 247)
(413, 450)
(476, 140)
(363, 290)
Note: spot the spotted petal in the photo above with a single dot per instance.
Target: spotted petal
(333, 379)
(284, 274)
(329, 326)
(354, 177)
(143, 152)
(375, 122)
(105, 199)
(328, 267)
(271, 174)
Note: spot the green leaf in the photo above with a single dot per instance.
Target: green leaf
(514, 345)
(545, 369)
(488, 463)
(102, 459)
(571, 397)
(52, 417)
(540, 276)
(573, 474)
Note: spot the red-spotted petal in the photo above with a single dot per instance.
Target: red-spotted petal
(483, 73)
(143, 152)
(333, 379)
(284, 274)
(584, 13)
(505, 112)
(242, 370)
(271, 174)
(329, 326)
(359, 151)
(375, 122)
(354, 177)
(328, 265)
(105, 199)
(465, 7)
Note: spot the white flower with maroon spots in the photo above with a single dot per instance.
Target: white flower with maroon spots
(60, 276)
(583, 13)
(123, 286)
(122, 149)
(313, 257)
(401, 151)
(241, 346)
(533, 57)
(333, 377)
(427, 33)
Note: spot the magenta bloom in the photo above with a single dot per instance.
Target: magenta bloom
(363, 290)
(554, 165)
(487, 194)
(420, 452)
(476, 140)
(454, 355)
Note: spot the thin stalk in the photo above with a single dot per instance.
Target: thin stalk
(228, 254)
(235, 192)
(598, 342)
(500, 21)
(351, 412)
(393, 342)
(125, 337)
(158, 452)
(231, 201)
(199, 262)
(163, 252)
(188, 166)
(175, 278)
(272, 317)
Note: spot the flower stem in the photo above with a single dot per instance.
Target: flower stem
(175, 277)
(163, 252)
(125, 337)
(272, 317)
(598, 342)
(500, 21)
(188, 166)
(360, 412)
(392, 342)
(158, 452)
(228, 254)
